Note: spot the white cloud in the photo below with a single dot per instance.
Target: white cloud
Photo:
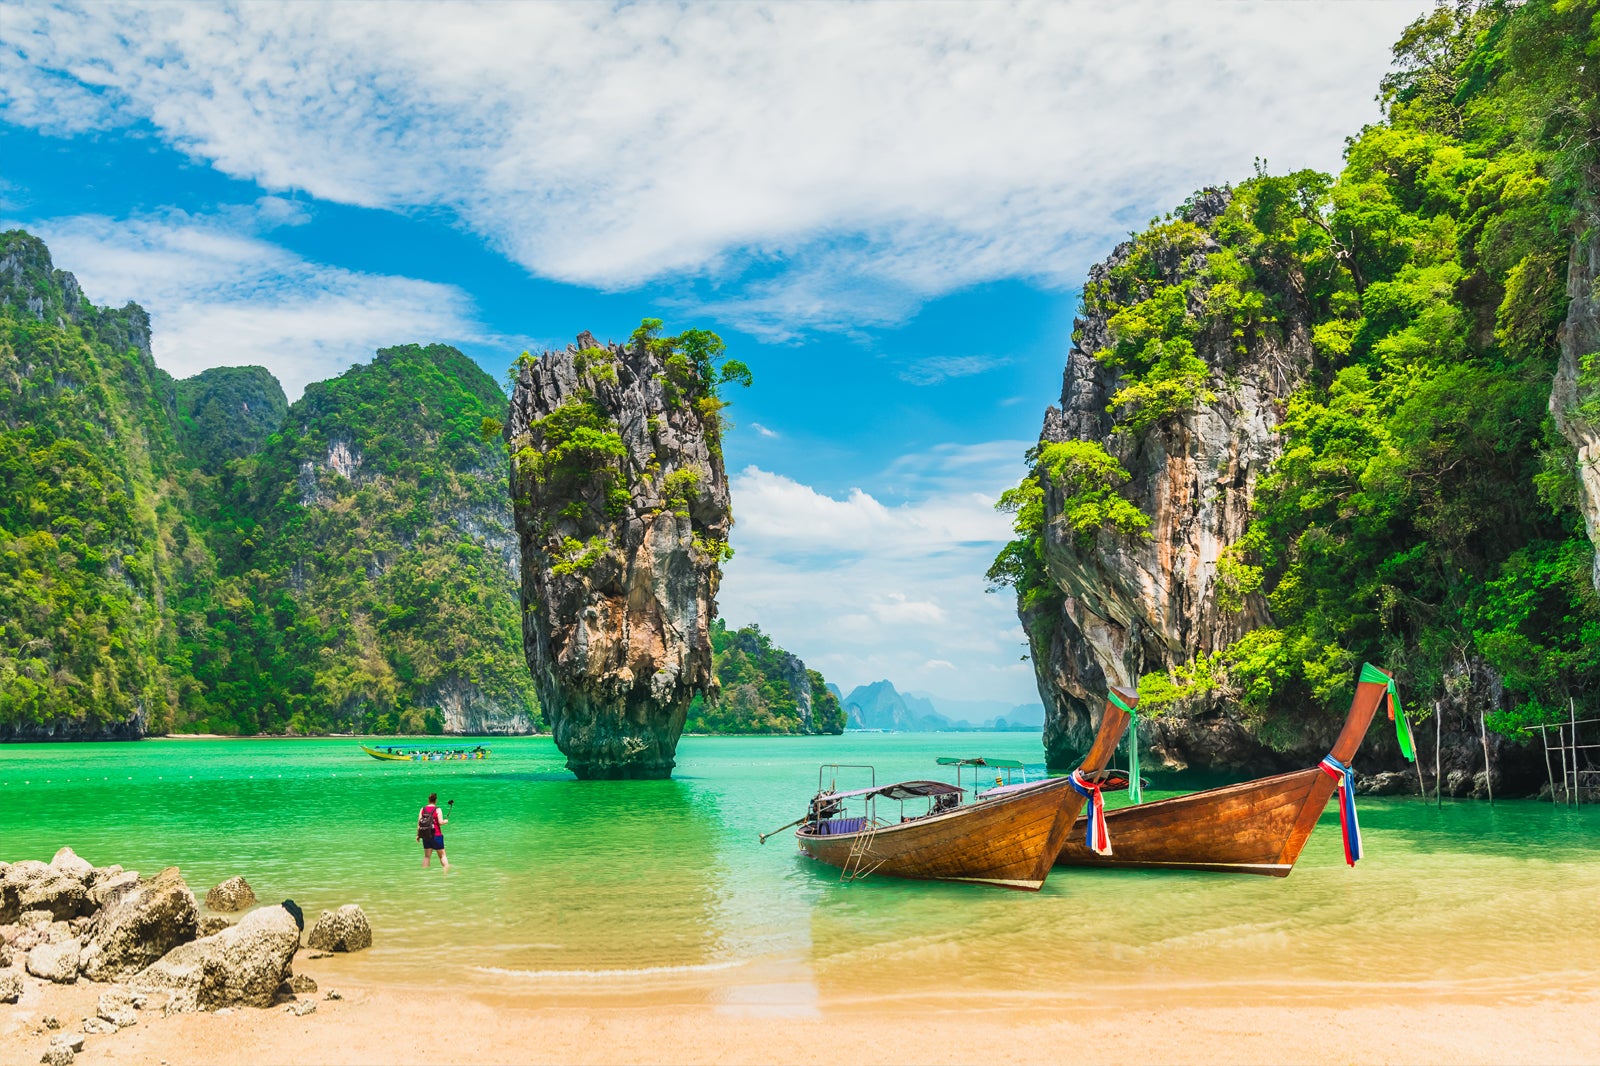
(868, 156)
(862, 589)
(931, 370)
(764, 431)
(219, 295)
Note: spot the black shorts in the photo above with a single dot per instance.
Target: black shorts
(436, 843)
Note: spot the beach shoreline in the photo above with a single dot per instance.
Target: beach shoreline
(378, 1022)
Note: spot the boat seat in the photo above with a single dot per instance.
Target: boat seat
(836, 826)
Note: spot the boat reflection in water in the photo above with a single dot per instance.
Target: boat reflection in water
(1008, 835)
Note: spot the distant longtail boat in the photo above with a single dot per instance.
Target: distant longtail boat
(1255, 827)
(1007, 836)
(400, 753)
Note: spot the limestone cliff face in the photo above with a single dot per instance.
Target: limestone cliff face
(622, 512)
(1130, 605)
(1580, 339)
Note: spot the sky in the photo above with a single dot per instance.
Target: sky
(885, 209)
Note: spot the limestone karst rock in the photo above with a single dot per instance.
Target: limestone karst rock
(1131, 604)
(140, 925)
(1580, 339)
(622, 510)
(232, 895)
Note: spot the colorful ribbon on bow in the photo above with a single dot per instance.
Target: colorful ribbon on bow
(1096, 839)
(1348, 825)
(1372, 675)
(1135, 789)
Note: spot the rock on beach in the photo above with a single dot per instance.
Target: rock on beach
(233, 895)
(244, 964)
(140, 926)
(345, 929)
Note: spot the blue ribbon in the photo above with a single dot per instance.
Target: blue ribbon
(1346, 778)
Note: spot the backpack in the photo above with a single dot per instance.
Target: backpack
(428, 822)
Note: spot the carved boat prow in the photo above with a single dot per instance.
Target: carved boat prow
(1256, 827)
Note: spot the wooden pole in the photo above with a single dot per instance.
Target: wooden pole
(1483, 733)
(1438, 747)
(1544, 735)
(1422, 789)
(1572, 709)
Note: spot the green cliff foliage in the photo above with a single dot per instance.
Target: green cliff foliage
(366, 558)
(90, 504)
(1422, 513)
(166, 557)
(761, 688)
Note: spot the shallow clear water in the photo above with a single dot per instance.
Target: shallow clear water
(658, 889)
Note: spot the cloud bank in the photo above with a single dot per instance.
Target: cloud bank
(864, 590)
(220, 296)
(847, 160)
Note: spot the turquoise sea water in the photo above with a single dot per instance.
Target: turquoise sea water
(576, 891)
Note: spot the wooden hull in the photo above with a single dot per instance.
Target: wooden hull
(1255, 827)
(1004, 841)
(1011, 840)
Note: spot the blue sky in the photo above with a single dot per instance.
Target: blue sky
(886, 210)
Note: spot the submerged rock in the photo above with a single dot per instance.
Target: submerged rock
(622, 510)
(345, 929)
(234, 894)
(139, 926)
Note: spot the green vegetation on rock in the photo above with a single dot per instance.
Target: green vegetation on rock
(763, 689)
(170, 558)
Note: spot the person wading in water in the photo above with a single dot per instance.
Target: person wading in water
(430, 830)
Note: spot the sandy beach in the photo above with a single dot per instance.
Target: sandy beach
(375, 1023)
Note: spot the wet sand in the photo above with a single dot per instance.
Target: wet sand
(409, 1024)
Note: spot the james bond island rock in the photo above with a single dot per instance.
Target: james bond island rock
(622, 509)
(1304, 426)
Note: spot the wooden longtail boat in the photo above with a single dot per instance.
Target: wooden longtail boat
(1255, 827)
(1007, 836)
(394, 753)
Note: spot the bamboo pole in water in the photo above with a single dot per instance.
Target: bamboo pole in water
(1483, 733)
(1544, 735)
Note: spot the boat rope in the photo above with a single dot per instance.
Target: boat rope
(1135, 787)
(1096, 839)
(1346, 779)
(1372, 675)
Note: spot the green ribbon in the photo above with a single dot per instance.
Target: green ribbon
(1135, 792)
(1402, 729)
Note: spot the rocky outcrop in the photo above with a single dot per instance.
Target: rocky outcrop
(1575, 399)
(139, 926)
(623, 516)
(233, 895)
(1127, 604)
(345, 929)
(241, 966)
(469, 711)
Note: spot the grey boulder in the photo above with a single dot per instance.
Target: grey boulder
(345, 929)
(58, 1055)
(234, 894)
(140, 926)
(119, 1007)
(67, 862)
(10, 986)
(241, 966)
(55, 962)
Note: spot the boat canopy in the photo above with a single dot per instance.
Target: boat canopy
(901, 790)
(999, 764)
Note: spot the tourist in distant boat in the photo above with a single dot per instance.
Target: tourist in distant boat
(430, 830)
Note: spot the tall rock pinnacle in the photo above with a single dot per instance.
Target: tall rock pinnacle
(622, 509)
